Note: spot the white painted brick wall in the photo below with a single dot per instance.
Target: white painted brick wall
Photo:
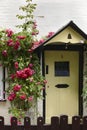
(50, 14)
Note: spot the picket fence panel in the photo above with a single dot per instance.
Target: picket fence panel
(57, 123)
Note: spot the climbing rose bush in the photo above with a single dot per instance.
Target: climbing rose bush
(25, 82)
(17, 55)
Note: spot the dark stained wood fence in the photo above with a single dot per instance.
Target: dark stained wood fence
(57, 123)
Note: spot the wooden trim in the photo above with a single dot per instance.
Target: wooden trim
(64, 46)
(81, 59)
(4, 82)
(44, 93)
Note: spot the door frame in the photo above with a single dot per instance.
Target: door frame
(66, 47)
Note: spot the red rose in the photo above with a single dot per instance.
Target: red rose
(29, 72)
(25, 73)
(12, 96)
(33, 33)
(10, 42)
(23, 97)
(30, 65)
(4, 53)
(24, 76)
(21, 37)
(30, 98)
(50, 34)
(21, 74)
(16, 88)
(45, 81)
(41, 41)
(9, 32)
(16, 65)
(13, 76)
(30, 50)
(34, 25)
(16, 45)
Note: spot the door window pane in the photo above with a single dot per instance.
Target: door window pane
(62, 68)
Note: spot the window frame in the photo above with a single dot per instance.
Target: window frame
(59, 70)
(2, 97)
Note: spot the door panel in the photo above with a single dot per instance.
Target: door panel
(62, 100)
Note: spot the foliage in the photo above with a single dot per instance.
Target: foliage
(17, 55)
(84, 94)
(24, 77)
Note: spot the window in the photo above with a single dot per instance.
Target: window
(62, 68)
(2, 83)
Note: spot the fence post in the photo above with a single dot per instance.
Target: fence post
(75, 123)
(64, 122)
(55, 123)
(85, 123)
(14, 123)
(1, 123)
(27, 123)
(40, 123)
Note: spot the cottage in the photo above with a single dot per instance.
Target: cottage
(63, 62)
(63, 59)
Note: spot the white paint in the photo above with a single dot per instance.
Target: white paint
(56, 14)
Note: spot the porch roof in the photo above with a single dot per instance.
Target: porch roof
(70, 24)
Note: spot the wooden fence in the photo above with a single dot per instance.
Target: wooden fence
(57, 123)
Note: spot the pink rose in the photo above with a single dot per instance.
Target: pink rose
(30, 65)
(4, 53)
(12, 96)
(21, 37)
(41, 41)
(33, 33)
(23, 96)
(29, 72)
(34, 25)
(36, 43)
(10, 42)
(17, 88)
(31, 79)
(30, 98)
(45, 81)
(9, 32)
(16, 65)
(16, 45)
(50, 34)
(30, 50)
(13, 76)
(21, 74)
(25, 73)
(24, 76)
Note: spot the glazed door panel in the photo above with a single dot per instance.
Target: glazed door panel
(62, 68)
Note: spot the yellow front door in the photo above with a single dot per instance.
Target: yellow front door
(62, 90)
